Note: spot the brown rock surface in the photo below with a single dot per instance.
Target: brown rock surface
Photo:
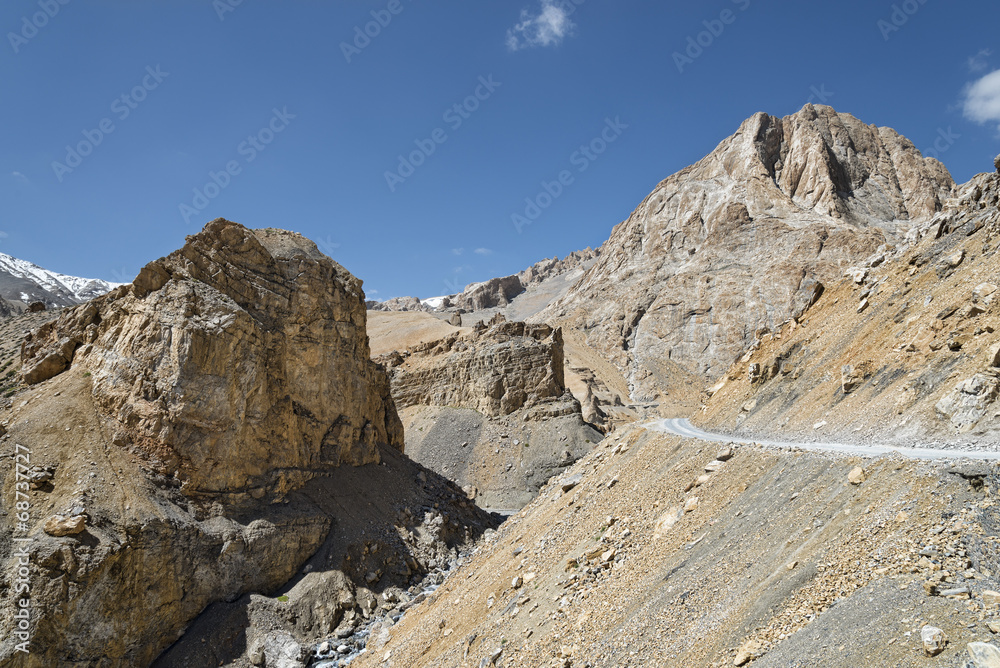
(736, 244)
(495, 370)
(200, 426)
(489, 409)
(236, 341)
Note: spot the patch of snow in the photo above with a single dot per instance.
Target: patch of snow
(80, 289)
(433, 302)
(24, 297)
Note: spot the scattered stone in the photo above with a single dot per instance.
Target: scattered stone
(984, 655)
(455, 320)
(850, 378)
(714, 466)
(856, 476)
(955, 591)
(571, 482)
(517, 582)
(57, 525)
(933, 640)
(993, 625)
(996, 163)
(667, 521)
(691, 505)
(725, 454)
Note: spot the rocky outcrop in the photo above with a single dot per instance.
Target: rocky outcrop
(190, 419)
(399, 304)
(549, 268)
(737, 243)
(496, 369)
(494, 293)
(490, 410)
(239, 338)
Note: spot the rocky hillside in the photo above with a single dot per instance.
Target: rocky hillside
(745, 239)
(489, 409)
(188, 439)
(659, 551)
(495, 293)
(904, 348)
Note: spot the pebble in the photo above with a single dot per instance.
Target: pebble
(984, 655)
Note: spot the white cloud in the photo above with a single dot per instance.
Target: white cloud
(547, 28)
(457, 251)
(483, 251)
(978, 63)
(982, 99)
(20, 179)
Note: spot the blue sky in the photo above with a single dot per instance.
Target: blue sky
(287, 114)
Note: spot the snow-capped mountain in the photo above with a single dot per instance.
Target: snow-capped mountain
(24, 282)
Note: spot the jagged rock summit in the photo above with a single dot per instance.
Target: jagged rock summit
(744, 240)
(181, 430)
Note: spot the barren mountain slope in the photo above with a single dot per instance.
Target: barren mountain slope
(652, 551)
(904, 349)
(744, 239)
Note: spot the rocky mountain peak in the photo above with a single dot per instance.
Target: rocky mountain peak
(744, 239)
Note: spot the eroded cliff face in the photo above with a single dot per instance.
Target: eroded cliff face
(489, 409)
(183, 431)
(496, 369)
(240, 340)
(745, 239)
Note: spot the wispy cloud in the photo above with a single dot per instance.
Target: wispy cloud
(982, 99)
(546, 28)
(3, 235)
(483, 251)
(457, 251)
(979, 62)
(20, 180)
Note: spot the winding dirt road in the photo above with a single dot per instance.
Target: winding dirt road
(683, 427)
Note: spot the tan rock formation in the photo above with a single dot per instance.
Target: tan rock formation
(736, 244)
(239, 340)
(495, 369)
(191, 420)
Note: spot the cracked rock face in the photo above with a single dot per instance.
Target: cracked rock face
(239, 340)
(186, 430)
(496, 370)
(736, 243)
